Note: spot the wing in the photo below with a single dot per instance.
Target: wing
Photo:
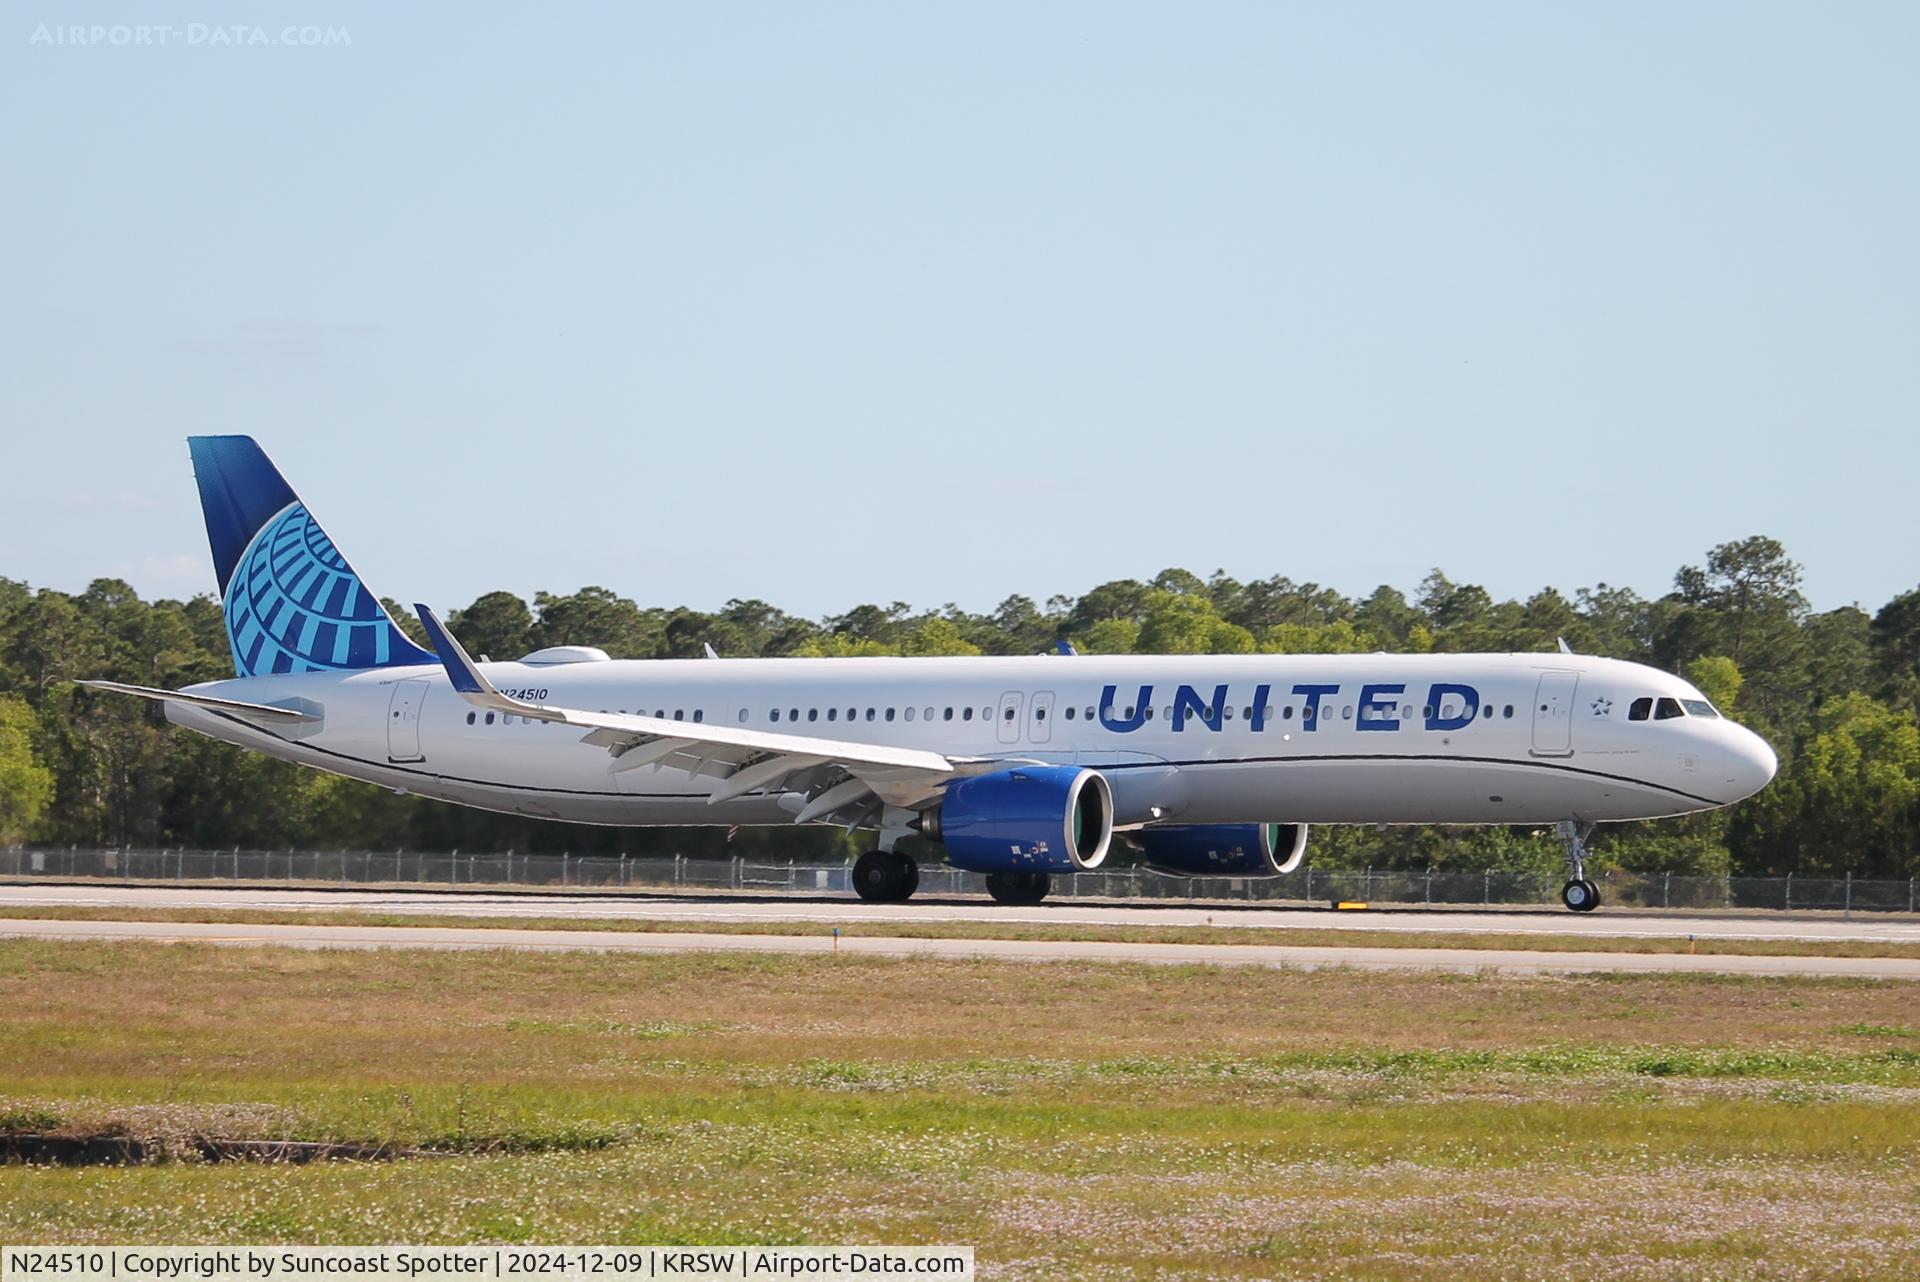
(841, 780)
(258, 711)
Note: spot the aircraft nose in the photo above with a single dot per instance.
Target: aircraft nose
(1751, 763)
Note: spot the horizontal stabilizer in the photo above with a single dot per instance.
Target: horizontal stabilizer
(260, 711)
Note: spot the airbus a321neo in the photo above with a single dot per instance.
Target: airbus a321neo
(1018, 768)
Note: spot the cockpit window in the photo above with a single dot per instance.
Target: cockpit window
(1642, 709)
(1699, 708)
(1667, 709)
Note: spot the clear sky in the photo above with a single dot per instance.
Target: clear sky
(833, 303)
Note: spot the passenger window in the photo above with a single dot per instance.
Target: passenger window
(774, 715)
(470, 718)
(489, 718)
(813, 714)
(889, 714)
(928, 714)
(869, 714)
(1642, 709)
(1069, 712)
(1009, 714)
(699, 714)
(1247, 712)
(1039, 714)
(853, 714)
(1286, 713)
(1667, 710)
(679, 714)
(743, 716)
(1089, 714)
(833, 714)
(947, 715)
(659, 712)
(1129, 716)
(1406, 712)
(1346, 713)
(1508, 712)
(966, 713)
(1149, 714)
(1486, 712)
(793, 714)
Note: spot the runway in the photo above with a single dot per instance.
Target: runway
(831, 910)
(823, 944)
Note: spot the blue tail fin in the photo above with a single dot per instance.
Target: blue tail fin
(292, 602)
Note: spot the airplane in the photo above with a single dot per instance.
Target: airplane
(1020, 768)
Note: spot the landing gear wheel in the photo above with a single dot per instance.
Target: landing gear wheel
(1580, 895)
(1021, 889)
(882, 877)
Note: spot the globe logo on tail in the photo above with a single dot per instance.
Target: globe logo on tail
(295, 605)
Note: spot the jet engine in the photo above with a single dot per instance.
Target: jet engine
(1224, 850)
(1025, 819)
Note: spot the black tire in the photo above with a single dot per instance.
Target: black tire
(1593, 895)
(1579, 896)
(880, 877)
(1018, 889)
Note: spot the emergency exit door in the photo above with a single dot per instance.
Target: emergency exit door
(1553, 714)
(403, 720)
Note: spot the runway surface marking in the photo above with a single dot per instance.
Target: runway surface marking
(663, 906)
(479, 938)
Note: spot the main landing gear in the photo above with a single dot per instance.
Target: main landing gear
(884, 877)
(1018, 888)
(1579, 894)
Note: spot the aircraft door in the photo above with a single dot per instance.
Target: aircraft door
(403, 720)
(1553, 714)
(1007, 718)
(1040, 717)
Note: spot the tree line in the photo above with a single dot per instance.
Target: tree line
(1835, 692)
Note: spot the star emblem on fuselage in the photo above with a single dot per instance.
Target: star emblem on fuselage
(1602, 707)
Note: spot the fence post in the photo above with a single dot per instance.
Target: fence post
(1789, 892)
(1912, 884)
(1486, 886)
(1367, 892)
(1309, 883)
(1666, 891)
(1849, 907)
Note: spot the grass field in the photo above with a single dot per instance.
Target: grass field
(1330, 937)
(1067, 1120)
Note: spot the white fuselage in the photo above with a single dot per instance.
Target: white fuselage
(1216, 739)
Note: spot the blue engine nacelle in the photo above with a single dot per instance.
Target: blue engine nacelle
(1224, 850)
(1025, 819)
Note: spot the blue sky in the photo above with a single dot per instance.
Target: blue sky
(840, 303)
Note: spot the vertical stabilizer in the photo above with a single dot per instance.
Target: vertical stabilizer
(292, 603)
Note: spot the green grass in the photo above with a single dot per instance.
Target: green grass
(1070, 1120)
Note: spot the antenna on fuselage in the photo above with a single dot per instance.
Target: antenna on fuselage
(1564, 647)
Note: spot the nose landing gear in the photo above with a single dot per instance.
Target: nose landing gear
(1579, 894)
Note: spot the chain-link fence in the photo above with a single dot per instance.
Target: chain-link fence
(609, 872)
